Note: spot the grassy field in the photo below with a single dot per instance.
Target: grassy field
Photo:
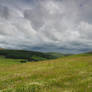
(66, 74)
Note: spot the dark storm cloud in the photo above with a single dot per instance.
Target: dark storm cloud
(46, 25)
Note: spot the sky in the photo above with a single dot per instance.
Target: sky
(46, 25)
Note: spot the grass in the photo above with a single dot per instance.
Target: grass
(7, 62)
(67, 74)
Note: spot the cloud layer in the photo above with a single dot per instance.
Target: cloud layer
(46, 25)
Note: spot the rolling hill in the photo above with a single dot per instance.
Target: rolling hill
(27, 55)
(66, 74)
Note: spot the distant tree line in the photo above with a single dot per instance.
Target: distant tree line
(28, 55)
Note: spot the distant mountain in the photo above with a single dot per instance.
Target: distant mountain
(57, 54)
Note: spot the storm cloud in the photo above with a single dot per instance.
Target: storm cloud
(46, 25)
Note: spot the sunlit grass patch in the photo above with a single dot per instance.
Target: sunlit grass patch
(67, 74)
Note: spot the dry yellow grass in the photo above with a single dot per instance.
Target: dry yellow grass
(67, 74)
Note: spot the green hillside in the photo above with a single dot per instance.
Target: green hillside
(26, 55)
(66, 74)
(56, 54)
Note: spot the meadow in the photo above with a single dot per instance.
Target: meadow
(66, 74)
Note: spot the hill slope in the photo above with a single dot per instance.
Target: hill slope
(67, 74)
(27, 55)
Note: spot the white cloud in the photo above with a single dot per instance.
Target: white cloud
(56, 25)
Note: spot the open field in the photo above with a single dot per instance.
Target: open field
(66, 74)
